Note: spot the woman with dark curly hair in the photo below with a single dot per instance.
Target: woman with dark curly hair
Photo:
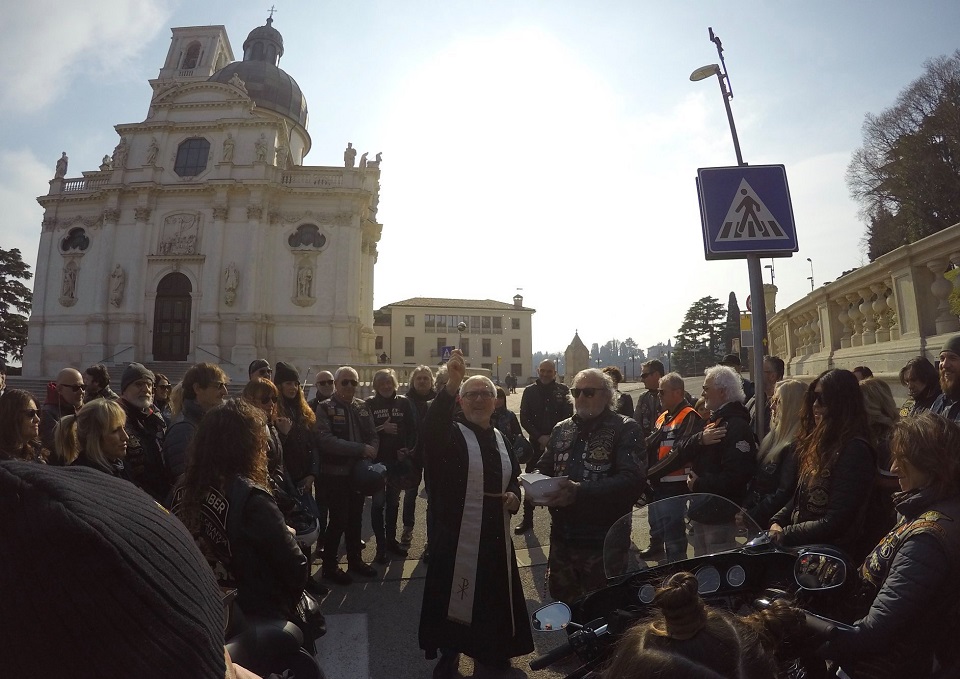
(906, 603)
(837, 466)
(224, 501)
(296, 423)
(20, 427)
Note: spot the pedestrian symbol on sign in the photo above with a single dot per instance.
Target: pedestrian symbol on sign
(445, 353)
(749, 219)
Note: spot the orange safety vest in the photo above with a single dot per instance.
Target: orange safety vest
(669, 431)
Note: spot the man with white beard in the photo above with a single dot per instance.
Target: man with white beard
(145, 427)
(948, 403)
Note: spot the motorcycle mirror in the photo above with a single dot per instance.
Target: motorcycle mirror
(815, 571)
(552, 617)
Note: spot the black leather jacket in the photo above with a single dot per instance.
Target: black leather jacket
(725, 468)
(343, 429)
(542, 406)
(144, 459)
(604, 456)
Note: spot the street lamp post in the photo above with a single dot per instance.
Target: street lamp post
(810, 277)
(753, 261)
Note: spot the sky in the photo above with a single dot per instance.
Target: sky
(549, 147)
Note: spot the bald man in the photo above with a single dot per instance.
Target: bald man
(64, 397)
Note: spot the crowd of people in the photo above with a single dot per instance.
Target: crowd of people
(268, 483)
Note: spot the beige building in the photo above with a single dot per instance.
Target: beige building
(498, 335)
(203, 236)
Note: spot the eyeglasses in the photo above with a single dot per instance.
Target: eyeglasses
(588, 392)
(30, 414)
(74, 387)
(644, 376)
(324, 383)
(474, 395)
(268, 399)
(162, 387)
(818, 399)
(348, 383)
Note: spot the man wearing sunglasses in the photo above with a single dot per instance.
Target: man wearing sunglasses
(543, 404)
(648, 404)
(323, 389)
(346, 433)
(599, 456)
(64, 397)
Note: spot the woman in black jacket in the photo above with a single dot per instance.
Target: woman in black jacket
(225, 503)
(837, 466)
(908, 586)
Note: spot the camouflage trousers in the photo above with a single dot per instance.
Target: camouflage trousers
(573, 571)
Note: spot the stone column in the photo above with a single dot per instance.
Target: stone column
(856, 320)
(880, 309)
(866, 311)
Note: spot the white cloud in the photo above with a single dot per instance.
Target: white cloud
(46, 43)
(20, 175)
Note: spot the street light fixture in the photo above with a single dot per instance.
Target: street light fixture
(753, 261)
(810, 277)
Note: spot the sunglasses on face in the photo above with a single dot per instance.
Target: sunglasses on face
(73, 387)
(474, 395)
(588, 392)
(818, 399)
(644, 376)
(30, 414)
(268, 399)
(162, 387)
(324, 383)
(348, 383)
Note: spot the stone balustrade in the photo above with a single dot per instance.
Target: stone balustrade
(880, 315)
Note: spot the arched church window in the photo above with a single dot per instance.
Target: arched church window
(307, 236)
(192, 58)
(76, 240)
(192, 157)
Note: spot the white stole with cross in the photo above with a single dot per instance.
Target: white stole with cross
(468, 547)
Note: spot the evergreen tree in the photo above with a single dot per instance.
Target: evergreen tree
(14, 297)
(731, 330)
(700, 338)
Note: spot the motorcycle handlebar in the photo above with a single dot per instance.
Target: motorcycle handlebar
(547, 659)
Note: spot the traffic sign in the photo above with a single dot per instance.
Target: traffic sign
(746, 211)
(446, 352)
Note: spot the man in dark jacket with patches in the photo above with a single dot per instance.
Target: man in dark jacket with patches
(724, 462)
(145, 427)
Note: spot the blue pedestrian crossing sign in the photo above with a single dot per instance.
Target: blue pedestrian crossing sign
(445, 353)
(746, 211)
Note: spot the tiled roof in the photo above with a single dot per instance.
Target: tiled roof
(447, 303)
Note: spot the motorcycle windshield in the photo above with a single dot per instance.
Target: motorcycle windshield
(683, 527)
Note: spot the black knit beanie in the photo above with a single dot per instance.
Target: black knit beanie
(134, 372)
(98, 580)
(285, 372)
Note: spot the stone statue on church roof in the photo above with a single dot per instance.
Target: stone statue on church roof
(61, 170)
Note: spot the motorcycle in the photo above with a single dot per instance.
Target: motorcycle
(266, 646)
(737, 566)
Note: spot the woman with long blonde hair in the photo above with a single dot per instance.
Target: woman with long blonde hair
(776, 476)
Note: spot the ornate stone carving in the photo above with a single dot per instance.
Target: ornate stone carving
(282, 152)
(260, 147)
(254, 211)
(49, 223)
(231, 281)
(118, 281)
(152, 151)
(349, 155)
(68, 284)
(237, 82)
(180, 234)
(142, 214)
(228, 148)
(220, 212)
(106, 164)
(338, 218)
(305, 282)
(120, 155)
(111, 215)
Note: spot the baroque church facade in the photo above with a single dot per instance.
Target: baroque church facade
(204, 237)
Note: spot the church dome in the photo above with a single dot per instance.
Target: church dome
(267, 84)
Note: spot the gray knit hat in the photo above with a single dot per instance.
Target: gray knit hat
(953, 345)
(98, 580)
(134, 372)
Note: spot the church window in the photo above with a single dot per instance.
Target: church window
(192, 57)
(76, 240)
(192, 157)
(307, 236)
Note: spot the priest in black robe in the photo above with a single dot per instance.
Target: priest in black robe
(473, 601)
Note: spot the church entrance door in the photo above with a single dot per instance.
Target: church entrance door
(171, 318)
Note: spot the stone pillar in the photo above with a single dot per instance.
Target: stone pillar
(856, 319)
(880, 309)
(843, 315)
(866, 311)
(941, 288)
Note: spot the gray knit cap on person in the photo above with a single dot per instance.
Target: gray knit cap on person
(98, 580)
(134, 372)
